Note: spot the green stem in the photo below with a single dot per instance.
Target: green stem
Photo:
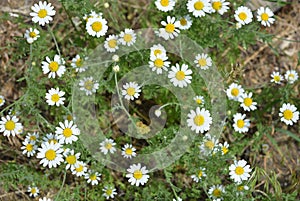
(54, 39)
(62, 185)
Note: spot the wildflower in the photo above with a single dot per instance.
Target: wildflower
(185, 22)
(77, 63)
(55, 97)
(199, 100)
(239, 171)
(10, 125)
(93, 178)
(88, 85)
(200, 174)
(241, 124)
(234, 91)
(50, 154)
(159, 63)
(165, 5)
(220, 6)
(276, 77)
(171, 29)
(137, 174)
(199, 7)
(96, 26)
(29, 148)
(55, 67)
(107, 146)
(80, 169)
(32, 137)
(208, 145)
(127, 37)
(157, 50)
(224, 147)
(291, 76)
(247, 102)
(199, 120)
(67, 132)
(33, 191)
(2, 100)
(128, 151)
(42, 13)
(111, 43)
(109, 192)
(71, 158)
(264, 15)
(288, 114)
(243, 15)
(31, 35)
(50, 138)
(180, 76)
(203, 61)
(131, 90)
(216, 192)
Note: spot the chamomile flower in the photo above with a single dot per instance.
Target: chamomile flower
(234, 91)
(243, 15)
(55, 97)
(50, 154)
(199, 120)
(199, 7)
(131, 90)
(77, 63)
(67, 132)
(93, 177)
(171, 29)
(31, 35)
(241, 124)
(33, 191)
(199, 100)
(50, 138)
(220, 6)
(180, 76)
(71, 158)
(127, 37)
(2, 100)
(137, 174)
(159, 63)
(215, 192)
(208, 145)
(291, 76)
(42, 13)
(55, 67)
(88, 85)
(247, 102)
(276, 77)
(45, 199)
(109, 192)
(128, 151)
(239, 171)
(108, 146)
(288, 114)
(10, 125)
(158, 50)
(165, 5)
(185, 22)
(80, 169)
(199, 175)
(203, 61)
(32, 137)
(264, 15)
(224, 148)
(111, 43)
(29, 148)
(96, 26)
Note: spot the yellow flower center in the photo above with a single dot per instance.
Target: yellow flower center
(183, 21)
(199, 101)
(200, 174)
(248, 102)
(199, 120)
(50, 154)
(138, 174)
(108, 145)
(243, 16)
(199, 5)
(170, 28)
(55, 98)
(10, 125)
(217, 5)
(32, 34)
(112, 43)
(288, 114)
(97, 26)
(202, 62)
(164, 3)
(42, 13)
(93, 177)
(157, 52)
(240, 123)
(53, 66)
(264, 17)
(235, 92)
(108, 192)
(33, 190)
(158, 63)
(32, 138)
(29, 147)
(225, 150)
(130, 91)
(128, 151)
(216, 192)
(127, 38)
(276, 78)
(180, 75)
(71, 159)
(291, 76)
(240, 188)
(88, 85)
(67, 132)
(1, 100)
(209, 144)
(239, 170)
(79, 168)
(78, 62)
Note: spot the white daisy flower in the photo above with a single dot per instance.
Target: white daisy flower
(50, 154)
(96, 26)
(215, 192)
(224, 148)
(45, 199)
(247, 102)
(137, 174)
(55, 97)
(77, 64)
(111, 43)
(288, 114)
(208, 145)
(171, 29)
(108, 146)
(264, 15)
(50, 138)
(42, 13)
(9, 125)
(128, 151)
(71, 158)
(220, 6)
(203, 61)
(80, 169)
(55, 67)
(127, 37)
(67, 132)
(32, 137)
(199, 120)
(31, 35)
(2, 100)
(88, 85)
(131, 90)
(165, 5)
(29, 148)
(33, 191)
(157, 50)
(276, 77)
(234, 91)
(199, 7)
(243, 15)
(185, 22)
(239, 171)
(291, 76)
(109, 192)
(200, 174)
(159, 63)
(93, 177)
(180, 76)
(199, 100)
(241, 124)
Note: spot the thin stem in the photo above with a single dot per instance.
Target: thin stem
(161, 107)
(62, 185)
(53, 36)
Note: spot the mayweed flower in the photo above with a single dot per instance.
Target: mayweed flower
(185, 22)
(33, 137)
(108, 146)
(31, 35)
(208, 145)
(77, 63)
(224, 148)
(42, 13)
(55, 97)
(157, 50)
(96, 26)
(243, 15)
(2, 100)
(234, 91)
(247, 102)
(128, 151)
(215, 192)
(55, 67)
(276, 77)
(165, 5)
(50, 138)
(171, 29)
(111, 43)
(264, 15)
(203, 61)
(131, 90)
(199, 100)
(71, 158)
(220, 6)
(239, 171)
(50, 154)
(127, 37)
(137, 175)
(92, 177)
(80, 169)
(33, 191)
(180, 76)
(241, 124)
(109, 192)
(199, 7)
(88, 85)
(199, 120)
(200, 174)
(10, 125)
(67, 132)
(288, 114)
(291, 76)
(29, 148)
(159, 63)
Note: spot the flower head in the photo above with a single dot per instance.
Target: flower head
(208, 145)
(111, 43)
(2, 100)
(199, 175)
(203, 61)
(171, 28)
(276, 77)
(10, 125)
(224, 147)
(220, 6)
(96, 26)
(216, 191)
(243, 15)
(107, 146)
(288, 114)
(157, 50)
(247, 102)
(67, 132)
(199, 7)
(199, 120)
(109, 192)
(234, 91)
(42, 13)
(291, 76)
(29, 148)
(77, 63)
(185, 22)
(33, 191)
(159, 63)
(165, 5)
(128, 151)
(71, 158)
(239, 171)
(127, 37)
(55, 97)
(180, 75)
(137, 175)
(131, 90)
(264, 15)
(55, 67)
(93, 177)
(50, 154)
(199, 100)
(88, 85)
(80, 169)
(241, 124)
(31, 35)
